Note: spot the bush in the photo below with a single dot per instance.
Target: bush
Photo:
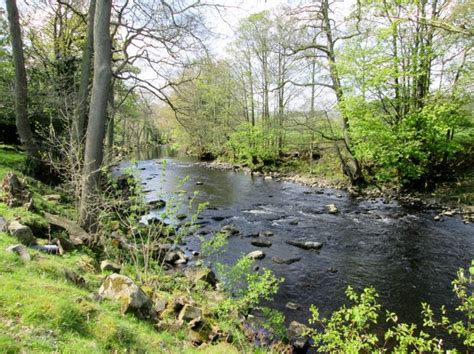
(252, 145)
(406, 149)
(351, 329)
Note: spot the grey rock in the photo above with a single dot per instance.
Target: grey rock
(297, 334)
(307, 245)
(77, 234)
(230, 230)
(256, 255)
(279, 260)
(292, 306)
(331, 209)
(196, 274)
(261, 243)
(266, 233)
(122, 289)
(189, 313)
(21, 250)
(160, 305)
(22, 233)
(109, 266)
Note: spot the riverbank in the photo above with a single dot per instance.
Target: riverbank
(447, 199)
(62, 292)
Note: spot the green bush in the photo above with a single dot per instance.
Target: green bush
(409, 148)
(351, 329)
(252, 145)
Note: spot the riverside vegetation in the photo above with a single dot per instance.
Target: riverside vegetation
(374, 96)
(71, 307)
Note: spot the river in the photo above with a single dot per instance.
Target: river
(403, 253)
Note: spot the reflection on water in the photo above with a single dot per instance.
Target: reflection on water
(161, 151)
(407, 256)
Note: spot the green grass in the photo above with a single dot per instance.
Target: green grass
(40, 311)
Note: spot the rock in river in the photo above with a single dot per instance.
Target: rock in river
(304, 244)
(256, 255)
(279, 260)
(261, 243)
(230, 230)
(292, 306)
(331, 209)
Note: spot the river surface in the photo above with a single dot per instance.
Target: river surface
(403, 253)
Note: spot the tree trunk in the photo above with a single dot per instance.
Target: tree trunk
(97, 112)
(351, 167)
(21, 88)
(83, 93)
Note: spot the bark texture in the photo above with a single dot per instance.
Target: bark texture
(80, 112)
(97, 112)
(21, 87)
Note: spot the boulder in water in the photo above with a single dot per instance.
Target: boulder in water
(331, 209)
(230, 230)
(261, 243)
(279, 260)
(304, 244)
(256, 255)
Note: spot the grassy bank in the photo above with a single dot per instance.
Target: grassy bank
(42, 310)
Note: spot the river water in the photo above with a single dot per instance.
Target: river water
(403, 253)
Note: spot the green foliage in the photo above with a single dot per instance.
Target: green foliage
(350, 329)
(214, 245)
(246, 287)
(252, 145)
(207, 108)
(408, 149)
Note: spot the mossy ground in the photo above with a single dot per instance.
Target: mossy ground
(41, 311)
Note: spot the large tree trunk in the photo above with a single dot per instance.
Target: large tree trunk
(83, 93)
(21, 104)
(97, 112)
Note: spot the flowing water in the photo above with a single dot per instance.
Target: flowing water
(406, 255)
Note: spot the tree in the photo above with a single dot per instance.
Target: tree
(317, 17)
(21, 86)
(98, 110)
(83, 92)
